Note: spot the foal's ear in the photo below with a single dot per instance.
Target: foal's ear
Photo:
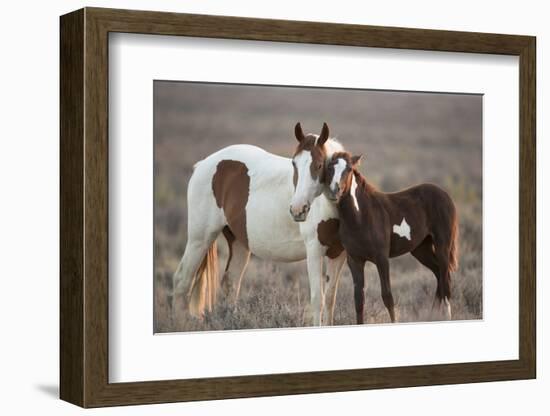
(324, 135)
(356, 160)
(298, 132)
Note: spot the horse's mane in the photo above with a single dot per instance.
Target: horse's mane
(333, 146)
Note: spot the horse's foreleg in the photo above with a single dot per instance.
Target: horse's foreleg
(357, 268)
(315, 276)
(383, 267)
(334, 271)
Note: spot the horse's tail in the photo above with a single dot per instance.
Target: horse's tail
(205, 284)
(453, 247)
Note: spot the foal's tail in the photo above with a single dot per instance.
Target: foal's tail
(453, 248)
(205, 284)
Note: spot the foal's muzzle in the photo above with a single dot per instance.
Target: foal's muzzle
(333, 194)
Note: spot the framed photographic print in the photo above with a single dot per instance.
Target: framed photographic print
(255, 207)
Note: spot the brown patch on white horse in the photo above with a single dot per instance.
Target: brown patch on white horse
(327, 233)
(231, 186)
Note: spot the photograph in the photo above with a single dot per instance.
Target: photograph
(277, 204)
(291, 206)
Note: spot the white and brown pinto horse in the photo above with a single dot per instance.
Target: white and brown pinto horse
(375, 226)
(244, 192)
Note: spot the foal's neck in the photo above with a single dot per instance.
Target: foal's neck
(359, 190)
(363, 187)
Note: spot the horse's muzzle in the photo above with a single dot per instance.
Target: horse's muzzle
(300, 216)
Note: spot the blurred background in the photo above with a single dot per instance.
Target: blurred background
(406, 138)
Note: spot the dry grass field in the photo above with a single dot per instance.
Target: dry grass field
(406, 138)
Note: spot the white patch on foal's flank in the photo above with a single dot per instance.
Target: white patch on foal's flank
(403, 230)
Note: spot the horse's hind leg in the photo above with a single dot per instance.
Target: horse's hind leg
(357, 268)
(185, 275)
(334, 271)
(235, 269)
(383, 266)
(198, 242)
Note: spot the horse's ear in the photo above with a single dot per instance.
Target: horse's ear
(324, 135)
(298, 132)
(356, 160)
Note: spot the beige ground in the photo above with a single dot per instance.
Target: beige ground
(406, 139)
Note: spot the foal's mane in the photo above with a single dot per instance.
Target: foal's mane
(343, 155)
(361, 180)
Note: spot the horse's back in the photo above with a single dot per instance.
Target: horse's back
(252, 160)
(253, 188)
(252, 156)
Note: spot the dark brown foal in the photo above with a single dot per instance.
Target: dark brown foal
(375, 226)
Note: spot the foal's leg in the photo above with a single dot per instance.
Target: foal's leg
(334, 271)
(424, 253)
(444, 287)
(383, 266)
(357, 268)
(237, 262)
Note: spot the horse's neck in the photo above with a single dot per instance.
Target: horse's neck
(323, 207)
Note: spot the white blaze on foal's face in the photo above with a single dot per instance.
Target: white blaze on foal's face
(341, 178)
(339, 168)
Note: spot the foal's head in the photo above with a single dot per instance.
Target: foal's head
(309, 169)
(339, 174)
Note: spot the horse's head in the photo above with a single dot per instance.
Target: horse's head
(309, 169)
(339, 174)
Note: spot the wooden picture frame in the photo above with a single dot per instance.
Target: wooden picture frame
(84, 207)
